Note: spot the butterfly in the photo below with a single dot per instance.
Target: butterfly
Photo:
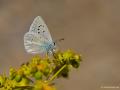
(38, 39)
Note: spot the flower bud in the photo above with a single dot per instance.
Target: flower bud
(38, 75)
(18, 78)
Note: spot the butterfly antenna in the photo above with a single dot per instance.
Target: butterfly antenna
(59, 40)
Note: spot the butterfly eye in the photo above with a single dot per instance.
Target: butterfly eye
(54, 43)
(43, 31)
(38, 29)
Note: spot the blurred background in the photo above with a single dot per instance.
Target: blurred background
(90, 27)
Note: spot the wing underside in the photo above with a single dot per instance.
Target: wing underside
(39, 27)
(38, 39)
(34, 43)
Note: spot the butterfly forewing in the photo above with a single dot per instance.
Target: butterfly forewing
(39, 27)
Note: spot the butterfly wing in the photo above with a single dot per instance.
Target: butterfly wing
(38, 39)
(35, 43)
(39, 27)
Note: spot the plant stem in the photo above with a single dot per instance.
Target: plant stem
(54, 76)
(23, 87)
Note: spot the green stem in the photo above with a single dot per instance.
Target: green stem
(29, 79)
(23, 87)
(54, 76)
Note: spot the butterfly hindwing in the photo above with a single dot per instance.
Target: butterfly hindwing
(34, 43)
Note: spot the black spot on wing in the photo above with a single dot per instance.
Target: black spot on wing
(39, 25)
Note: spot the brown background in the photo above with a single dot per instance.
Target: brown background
(90, 27)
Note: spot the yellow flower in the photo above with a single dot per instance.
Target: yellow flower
(23, 82)
(2, 79)
(68, 54)
(9, 84)
(36, 60)
(41, 67)
(48, 87)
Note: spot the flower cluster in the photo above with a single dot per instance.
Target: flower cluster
(39, 73)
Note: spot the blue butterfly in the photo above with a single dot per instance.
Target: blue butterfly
(38, 40)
